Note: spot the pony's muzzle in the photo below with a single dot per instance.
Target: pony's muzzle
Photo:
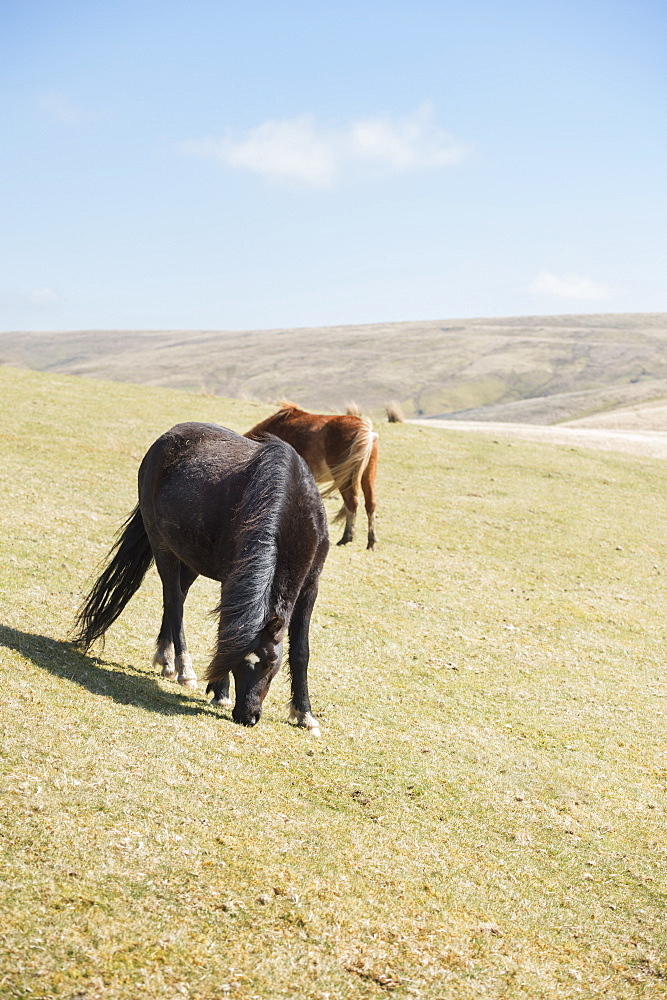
(251, 719)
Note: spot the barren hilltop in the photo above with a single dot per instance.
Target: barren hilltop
(534, 369)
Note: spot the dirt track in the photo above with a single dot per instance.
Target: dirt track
(652, 443)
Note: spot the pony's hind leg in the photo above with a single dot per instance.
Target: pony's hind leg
(171, 651)
(164, 655)
(351, 502)
(368, 487)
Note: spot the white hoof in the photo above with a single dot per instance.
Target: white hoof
(160, 659)
(222, 702)
(186, 676)
(305, 720)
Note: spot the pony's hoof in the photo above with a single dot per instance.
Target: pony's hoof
(168, 668)
(221, 702)
(187, 678)
(188, 682)
(344, 541)
(305, 720)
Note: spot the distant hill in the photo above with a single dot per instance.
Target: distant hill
(535, 369)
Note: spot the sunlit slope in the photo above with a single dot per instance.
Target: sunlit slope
(536, 369)
(484, 814)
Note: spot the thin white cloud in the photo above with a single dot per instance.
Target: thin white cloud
(303, 151)
(286, 150)
(569, 286)
(61, 111)
(35, 298)
(44, 297)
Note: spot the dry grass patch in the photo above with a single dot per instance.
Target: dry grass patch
(394, 412)
(485, 812)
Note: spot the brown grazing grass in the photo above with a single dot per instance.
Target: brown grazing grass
(484, 815)
(531, 369)
(394, 412)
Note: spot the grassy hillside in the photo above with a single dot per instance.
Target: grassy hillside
(539, 369)
(484, 814)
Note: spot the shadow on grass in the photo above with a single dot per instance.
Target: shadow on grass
(124, 684)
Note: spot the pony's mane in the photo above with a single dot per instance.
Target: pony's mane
(287, 406)
(245, 601)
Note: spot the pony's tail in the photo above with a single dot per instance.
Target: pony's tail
(348, 473)
(130, 558)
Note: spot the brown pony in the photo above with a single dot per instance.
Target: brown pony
(341, 450)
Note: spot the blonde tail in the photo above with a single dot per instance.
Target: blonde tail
(348, 473)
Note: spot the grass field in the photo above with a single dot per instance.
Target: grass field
(484, 814)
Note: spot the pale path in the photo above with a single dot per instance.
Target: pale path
(652, 444)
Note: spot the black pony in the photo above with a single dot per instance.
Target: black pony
(247, 513)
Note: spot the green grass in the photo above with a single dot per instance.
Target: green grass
(484, 814)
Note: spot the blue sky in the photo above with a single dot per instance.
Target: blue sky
(236, 166)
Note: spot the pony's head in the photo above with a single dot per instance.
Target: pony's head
(254, 673)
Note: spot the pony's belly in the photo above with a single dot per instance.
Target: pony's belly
(195, 548)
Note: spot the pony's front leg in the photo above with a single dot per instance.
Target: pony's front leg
(299, 652)
(220, 691)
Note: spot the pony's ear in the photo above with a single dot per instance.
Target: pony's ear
(275, 625)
